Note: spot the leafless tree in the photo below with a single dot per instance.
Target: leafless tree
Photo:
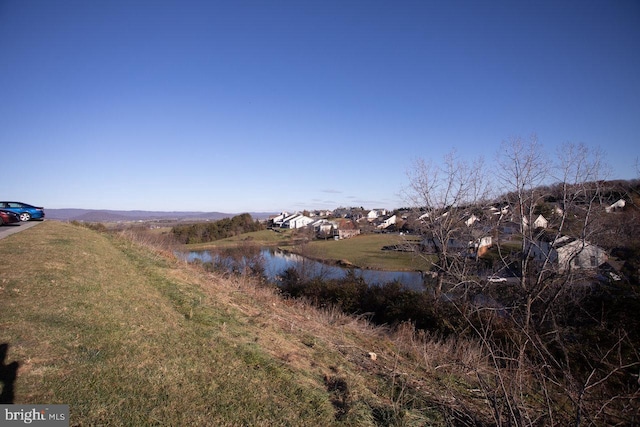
(539, 346)
(443, 195)
(537, 374)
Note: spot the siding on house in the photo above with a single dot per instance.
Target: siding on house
(568, 252)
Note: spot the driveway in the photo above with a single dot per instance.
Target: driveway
(9, 229)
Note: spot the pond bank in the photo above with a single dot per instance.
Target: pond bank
(274, 262)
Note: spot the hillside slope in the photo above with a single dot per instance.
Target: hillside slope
(128, 335)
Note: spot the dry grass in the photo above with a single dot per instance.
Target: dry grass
(128, 335)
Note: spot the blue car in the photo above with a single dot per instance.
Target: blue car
(25, 211)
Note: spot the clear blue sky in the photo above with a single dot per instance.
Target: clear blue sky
(267, 105)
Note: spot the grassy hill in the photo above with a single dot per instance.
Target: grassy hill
(128, 335)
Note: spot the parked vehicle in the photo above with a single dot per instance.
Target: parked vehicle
(25, 211)
(8, 217)
(496, 279)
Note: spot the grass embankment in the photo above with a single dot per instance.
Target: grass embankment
(260, 238)
(128, 335)
(364, 251)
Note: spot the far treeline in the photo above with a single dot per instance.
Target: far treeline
(209, 231)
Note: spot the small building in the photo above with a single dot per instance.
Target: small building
(619, 205)
(540, 222)
(387, 222)
(471, 220)
(277, 220)
(568, 253)
(375, 214)
(482, 245)
(296, 221)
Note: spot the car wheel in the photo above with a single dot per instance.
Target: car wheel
(25, 216)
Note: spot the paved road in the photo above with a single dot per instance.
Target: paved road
(8, 229)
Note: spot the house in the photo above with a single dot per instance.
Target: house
(375, 214)
(454, 245)
(339, 228)
(347, 233)
(500, 211)
(619, 205)
(568, 253)
(482, 245)
(324, 228)
(471, 220)
(296, 221)
(387, 222)
(508, 229)
(276, 221)
(540, 222)
(461, 245)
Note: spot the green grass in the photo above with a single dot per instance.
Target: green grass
(98, 326)
(259, 238)
(365, 251)
(128, 336)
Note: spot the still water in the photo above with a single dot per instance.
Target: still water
(275, 262)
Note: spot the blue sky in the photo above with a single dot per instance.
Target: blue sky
(269, 105)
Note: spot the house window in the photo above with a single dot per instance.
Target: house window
(593, 261)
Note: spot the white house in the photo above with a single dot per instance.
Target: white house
(324, 227)
(277, 220)
(471, 220)
(422, 218)
(568, 252)
(296, 221)
(375, 213)
(540, 222)
(388, 222)
(616, 206)
(501, 211)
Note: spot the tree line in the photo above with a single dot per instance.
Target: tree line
(204, 232)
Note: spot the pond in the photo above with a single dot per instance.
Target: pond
(274, 262)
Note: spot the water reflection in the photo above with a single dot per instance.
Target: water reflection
(273, 263)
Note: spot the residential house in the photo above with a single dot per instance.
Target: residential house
(347, 233)
(619, 205)
(540, 222)
(341, 212)
(508, 229)
(296, 221)
(339, 228)
(482, 245)
(568, 253)
(324, 228)
(387, 222)
(461, 245)
(375, 214)
(471, 220)
(503, 210)
(454, 245)
(276, 221)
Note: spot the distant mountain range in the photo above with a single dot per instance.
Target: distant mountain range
(91, 215)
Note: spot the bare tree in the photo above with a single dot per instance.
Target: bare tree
(540, 346)
(536, 373)
(444, 195)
